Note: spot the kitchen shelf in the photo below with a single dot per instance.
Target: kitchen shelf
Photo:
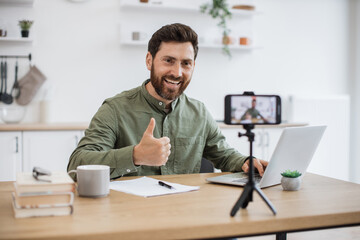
(205, 45)
(16, 39)
(175, 7)
(232, 47)
(132, 5)
(17, 3)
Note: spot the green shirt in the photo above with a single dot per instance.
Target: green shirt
(121, 121)
(253, 113)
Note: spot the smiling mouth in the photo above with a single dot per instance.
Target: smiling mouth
(172, 82)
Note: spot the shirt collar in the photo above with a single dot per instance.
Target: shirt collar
(153, 101)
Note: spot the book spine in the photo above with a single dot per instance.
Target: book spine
(44, 200)
(51, 210)
(47, 189)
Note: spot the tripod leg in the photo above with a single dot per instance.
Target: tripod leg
(266, 200)
(246, 203)
(243, 201)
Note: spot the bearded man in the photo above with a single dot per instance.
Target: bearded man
(155, 128)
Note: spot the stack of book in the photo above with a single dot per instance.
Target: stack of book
(53, 196)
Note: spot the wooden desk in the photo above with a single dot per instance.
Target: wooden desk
(321, 203)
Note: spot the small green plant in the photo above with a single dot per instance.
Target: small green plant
(25, 24)
(291, 174)
(219, 9)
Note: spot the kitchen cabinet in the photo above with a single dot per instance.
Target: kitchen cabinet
(22, 150)
(10, 155)
(264, 143)
(49, 149)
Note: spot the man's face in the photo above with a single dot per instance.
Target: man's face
(171, 69)
(253, 104)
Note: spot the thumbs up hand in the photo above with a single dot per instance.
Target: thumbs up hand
(151, 151)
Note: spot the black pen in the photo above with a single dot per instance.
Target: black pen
(161, 183)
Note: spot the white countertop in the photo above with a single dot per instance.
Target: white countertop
(43, 126)
(222, 125)
(83, 126)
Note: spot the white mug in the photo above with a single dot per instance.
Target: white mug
(92, 180)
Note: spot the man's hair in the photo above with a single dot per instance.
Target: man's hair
(176, 32)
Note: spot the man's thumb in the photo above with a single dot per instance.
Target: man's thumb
(150, 129)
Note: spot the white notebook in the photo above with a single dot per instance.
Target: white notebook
(149, 187)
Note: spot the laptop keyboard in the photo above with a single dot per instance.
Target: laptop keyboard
(244, 178)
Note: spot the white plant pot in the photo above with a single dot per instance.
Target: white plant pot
(291, 184)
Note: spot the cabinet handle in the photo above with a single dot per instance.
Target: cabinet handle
(267, 139)
(16, 144)
(261, 139)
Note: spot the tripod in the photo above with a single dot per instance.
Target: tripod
(247, 194)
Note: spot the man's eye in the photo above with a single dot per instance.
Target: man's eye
(168, 60)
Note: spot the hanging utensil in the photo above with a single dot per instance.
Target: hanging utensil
(5, 97)
(16, 84)
(2, 77)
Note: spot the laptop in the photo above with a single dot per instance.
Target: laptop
(294, 151)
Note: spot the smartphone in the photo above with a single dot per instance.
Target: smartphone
(252, 109)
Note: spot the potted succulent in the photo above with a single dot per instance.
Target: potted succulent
(219, 9)
(25, 26)
(291, 180)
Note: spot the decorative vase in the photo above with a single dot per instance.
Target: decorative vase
(24, 33)
(227, 40)
(291, 184)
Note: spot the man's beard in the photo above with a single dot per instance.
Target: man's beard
(162, 90)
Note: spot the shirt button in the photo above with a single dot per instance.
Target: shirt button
(128, 170)
(160, 103)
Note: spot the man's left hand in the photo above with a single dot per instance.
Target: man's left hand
(259, 164)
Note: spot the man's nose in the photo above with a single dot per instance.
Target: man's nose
(177, 70)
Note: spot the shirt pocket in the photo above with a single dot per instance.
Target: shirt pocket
(188, 154)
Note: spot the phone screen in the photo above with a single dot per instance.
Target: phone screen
(253, 109)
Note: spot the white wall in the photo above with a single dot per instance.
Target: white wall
(355, 92)
(78, 48)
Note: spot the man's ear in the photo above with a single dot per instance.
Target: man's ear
(149, 61)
